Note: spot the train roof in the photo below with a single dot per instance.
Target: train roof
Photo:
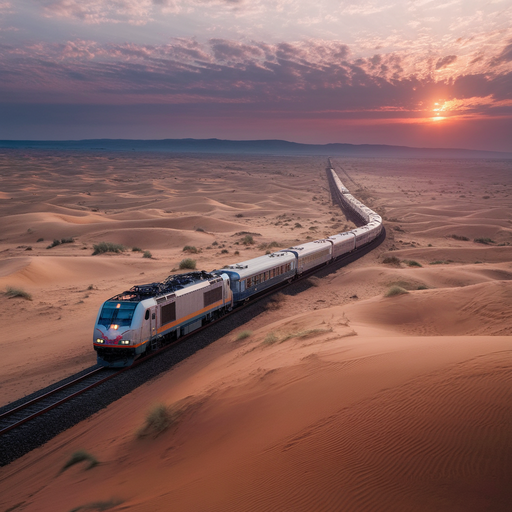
(259, 264)
(309, 247)
(171, 284)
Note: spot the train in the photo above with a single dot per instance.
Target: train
(146, 317)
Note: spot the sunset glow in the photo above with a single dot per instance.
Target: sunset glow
(233, 69)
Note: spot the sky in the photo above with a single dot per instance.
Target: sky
(423, 73)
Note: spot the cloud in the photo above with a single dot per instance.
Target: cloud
(445, 61)
(504, 56)
(307, 78)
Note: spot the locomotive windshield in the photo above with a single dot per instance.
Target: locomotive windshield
(119, 313)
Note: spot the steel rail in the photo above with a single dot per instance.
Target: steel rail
(44, 410)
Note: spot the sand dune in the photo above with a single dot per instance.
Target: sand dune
(339, 398)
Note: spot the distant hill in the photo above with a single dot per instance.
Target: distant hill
(258, 147)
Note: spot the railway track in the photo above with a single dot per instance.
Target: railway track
(23, 414)
(34, 407)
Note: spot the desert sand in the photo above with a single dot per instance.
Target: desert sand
(335, 398)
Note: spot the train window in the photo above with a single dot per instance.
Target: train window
(112, 314)
(249, 282)
(146, 316)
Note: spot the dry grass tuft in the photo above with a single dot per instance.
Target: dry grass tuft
(188, 263)
(395, 290)
(104, 247)
(80, 456)
(12, 293)
(391, 260)
(243, 334)
(158, 420)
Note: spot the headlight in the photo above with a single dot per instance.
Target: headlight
(124, 342)
(99, 340)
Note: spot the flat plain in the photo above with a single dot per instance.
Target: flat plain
(341, 397)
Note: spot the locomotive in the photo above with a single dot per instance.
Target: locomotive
(147, 316)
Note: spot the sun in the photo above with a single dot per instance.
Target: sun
(438, 109)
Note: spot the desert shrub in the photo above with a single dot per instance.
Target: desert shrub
(392, 260)
(54, 244)
(90, 287)
(237, 253)
(188, 263)
(460, 237)
(412, 263)
(395, 290)
(68, 240)
(215, 243)
(270, 338)
(486, 197)
(422, 287)
(158, 419)
(17, 292)
(224, 251)
(486, 241)
(298, 225)
(147, 254)
(242, 335)
(273, 244)
(80, 456)
(201, 230)
(313, 228)
(239, 215)
(247, 240)
(103, 247)
(192, 249)
(136, 249)
(436, 262)
(40, 240)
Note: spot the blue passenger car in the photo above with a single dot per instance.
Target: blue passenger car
(253, 276)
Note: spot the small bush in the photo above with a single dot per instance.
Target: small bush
(54, 244)
(242, 335)
(103, 247)
(224, 251)
(298, 225)
(239, 215)
(17, 292)
(273, 244)
(90, 287)
(158, 419)
(40, 240)
(192, 249)
(412, 263)
(486, 197)
(247, 240)
(69, 240)
(422, 287)
(485, 241)
(188, 263)
(80, 456)
(395, 290)
(136, 249)
(215, 243)
(392, 260)
(460, 237)
(237, 253)
(200, 230)
(270, 338)
(147, 254)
